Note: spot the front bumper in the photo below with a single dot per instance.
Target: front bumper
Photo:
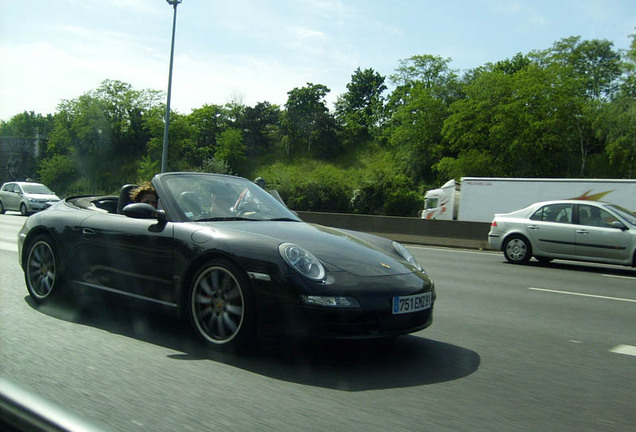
(39, 205)
(281, 314)
(301, 321)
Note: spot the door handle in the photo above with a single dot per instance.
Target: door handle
(581, 231)
(88, 232)
(533, 227)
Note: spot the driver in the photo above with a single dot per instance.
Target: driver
(221, 201)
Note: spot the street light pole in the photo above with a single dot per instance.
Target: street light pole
(164, 154)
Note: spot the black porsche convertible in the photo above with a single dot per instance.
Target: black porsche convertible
(234, 260)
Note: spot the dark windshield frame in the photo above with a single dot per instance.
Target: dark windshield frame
(203, 197)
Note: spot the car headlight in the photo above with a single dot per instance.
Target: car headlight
(407, 256)
(330, 301)
(302, 261)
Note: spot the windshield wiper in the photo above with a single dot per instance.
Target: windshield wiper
(282, 219)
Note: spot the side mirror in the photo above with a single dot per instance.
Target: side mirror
(619, 225)
(144, 211)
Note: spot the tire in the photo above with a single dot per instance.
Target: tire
(221, 306)
(517, 250)
(23, 209)
(41, 270)
(1, 208)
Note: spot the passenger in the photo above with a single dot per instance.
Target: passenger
(145, 193)
(595, 217)
(260, 181)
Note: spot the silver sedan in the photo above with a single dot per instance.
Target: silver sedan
(574, 230)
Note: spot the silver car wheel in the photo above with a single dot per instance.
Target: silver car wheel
(218, 305)
(517, 250)
(41, 270)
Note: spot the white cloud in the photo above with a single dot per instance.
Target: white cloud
(305, 33)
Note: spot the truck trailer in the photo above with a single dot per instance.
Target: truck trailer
(477, 199)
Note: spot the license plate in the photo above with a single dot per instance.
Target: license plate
(412, 303)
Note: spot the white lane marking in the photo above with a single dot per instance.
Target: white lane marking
(624, 349)
(583, 295)
(11, 247)
(619, 277)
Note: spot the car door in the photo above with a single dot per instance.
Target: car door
(12, 199)
(130, 256)
(596, 238)
(551, 231)
(5, 195)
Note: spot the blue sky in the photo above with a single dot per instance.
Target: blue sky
(251, 51)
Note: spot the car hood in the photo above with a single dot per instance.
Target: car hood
(47, 197)
(336, 248)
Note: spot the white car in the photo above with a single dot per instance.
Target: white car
(572, 229)
(26, 197)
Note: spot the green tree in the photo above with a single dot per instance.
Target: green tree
(591, 70)
(27, 125)
(183, 153)
(427, 71)
(418, 107)
(534, 116)
(103, 132)
(415, 134)
(231, 148)
(58, 172)
(307, 121)
(360, 109)
(619, 119)
(261, 128)
(207, 123)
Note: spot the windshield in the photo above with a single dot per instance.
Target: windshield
(630, 217)
(430, 203)
(36, 189)
(201, 197)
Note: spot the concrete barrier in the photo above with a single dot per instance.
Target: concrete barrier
(473, 235)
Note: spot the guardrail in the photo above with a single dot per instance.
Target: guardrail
(473, 235)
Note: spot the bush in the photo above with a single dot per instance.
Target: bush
(385, 194)
(403, 203)
(57, 172)
(214, 165)
(324, 187)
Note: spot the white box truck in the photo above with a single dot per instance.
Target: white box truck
(477, 199)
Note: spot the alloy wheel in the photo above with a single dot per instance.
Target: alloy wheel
(41, 270)
(218, 305)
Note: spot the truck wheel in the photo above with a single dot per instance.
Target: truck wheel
(517, 250)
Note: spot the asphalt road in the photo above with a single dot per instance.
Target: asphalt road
(512, 348)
